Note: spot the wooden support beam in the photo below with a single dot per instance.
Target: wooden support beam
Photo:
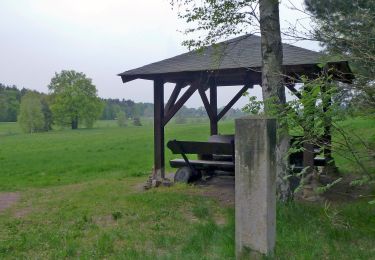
(174, 109)
(213, 104)
(172, 99)
(232, 102)
(159, 163)
(206, 103)
(291, 87)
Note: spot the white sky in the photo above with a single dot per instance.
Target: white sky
(99, 38)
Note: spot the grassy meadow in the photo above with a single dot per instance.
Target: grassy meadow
(66, 156)
(81, 197)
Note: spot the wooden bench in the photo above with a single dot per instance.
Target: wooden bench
(214, 156)
(218, 154)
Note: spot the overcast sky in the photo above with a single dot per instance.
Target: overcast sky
(99, 38)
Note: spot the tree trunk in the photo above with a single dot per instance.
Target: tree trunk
(75, 123)
(273, 87)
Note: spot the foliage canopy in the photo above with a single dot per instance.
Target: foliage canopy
(31, 118)
(74, 99)
(346, 29)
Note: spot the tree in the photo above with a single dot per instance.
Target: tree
(47, 113)
(216, 19)
(346, 30)
(10, 98)
(121, 119)
(273, 87)
(74, 99)
(31, 118)
(137, 121)
(3, 107)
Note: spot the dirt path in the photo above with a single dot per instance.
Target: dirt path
(8, 199)
(218, 187)
(222, 189)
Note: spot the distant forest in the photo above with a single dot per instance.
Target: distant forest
(10, 99)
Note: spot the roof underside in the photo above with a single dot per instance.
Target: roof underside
(231, 62)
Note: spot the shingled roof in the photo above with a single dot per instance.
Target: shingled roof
(238, 53)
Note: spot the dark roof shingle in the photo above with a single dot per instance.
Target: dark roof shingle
(240, 52)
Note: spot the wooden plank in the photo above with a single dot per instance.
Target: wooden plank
(172, 99)
(225, 77)
(201, 164)
(206, 103)
(159, 163)
(292, 88)
(192, 147)
(232, 102)
(174, 109)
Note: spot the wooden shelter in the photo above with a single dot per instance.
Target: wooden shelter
(230, 63)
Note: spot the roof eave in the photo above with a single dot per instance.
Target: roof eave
(127, 78)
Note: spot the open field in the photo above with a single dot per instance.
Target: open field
(65, 156)
(81, 197)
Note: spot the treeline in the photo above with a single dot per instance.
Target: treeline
(135, 110)
(131, 109)
(10, 100)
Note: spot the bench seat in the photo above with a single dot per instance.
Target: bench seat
(204, 164)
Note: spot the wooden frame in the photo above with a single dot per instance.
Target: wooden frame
(163, 114)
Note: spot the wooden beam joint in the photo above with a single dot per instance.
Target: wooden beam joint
(173, 109)
(233, 101)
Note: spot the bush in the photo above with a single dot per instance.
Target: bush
(137, 121)
(31, 118)
(121, 119)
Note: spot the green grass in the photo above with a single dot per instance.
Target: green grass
(66, 156)
(360, 131)
(81, 197)
(169, 223)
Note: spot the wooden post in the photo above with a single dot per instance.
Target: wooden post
(213, 104)
(158, 129)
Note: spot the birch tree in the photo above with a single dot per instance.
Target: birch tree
(214, 20)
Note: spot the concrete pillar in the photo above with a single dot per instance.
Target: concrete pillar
(255, 188)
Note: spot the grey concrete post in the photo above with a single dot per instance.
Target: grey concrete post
(255, 188)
